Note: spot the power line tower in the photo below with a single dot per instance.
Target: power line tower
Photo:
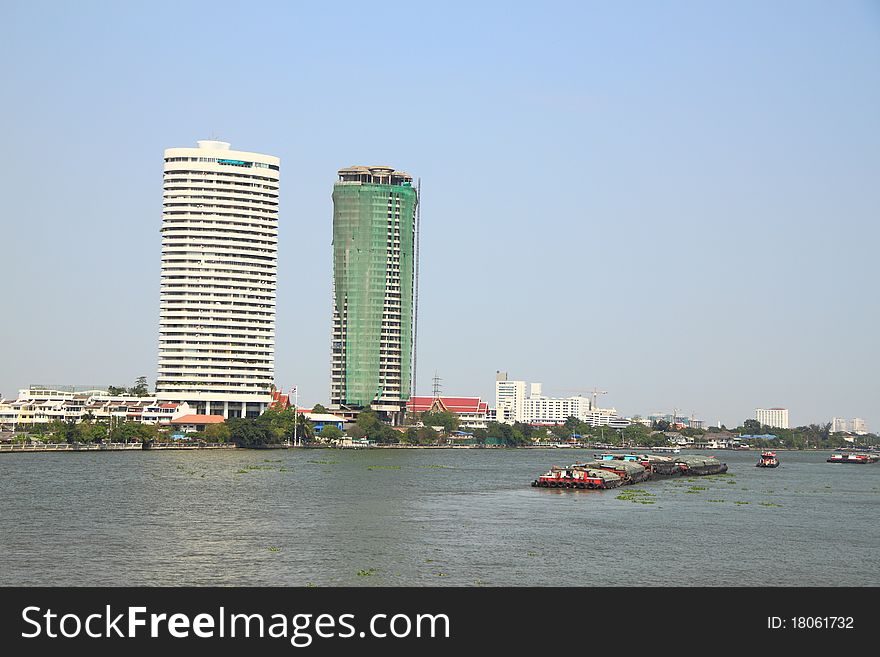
(437, 386)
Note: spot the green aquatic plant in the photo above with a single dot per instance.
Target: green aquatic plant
(636, 495)
(324, 462)
(241, 471)
(383, 467)
(769, 504)
(740, 502)
(698, 488)
(714, 500)
(369, 572)
(273, 548)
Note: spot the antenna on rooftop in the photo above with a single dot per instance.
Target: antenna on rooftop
(437, 386)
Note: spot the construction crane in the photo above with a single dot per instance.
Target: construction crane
(595, 392)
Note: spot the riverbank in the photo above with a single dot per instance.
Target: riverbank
(108, 447)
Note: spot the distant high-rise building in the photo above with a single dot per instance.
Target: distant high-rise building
(219, 270)
(839, 425)
(772, 417)
(510, 399)
(859, 425)
(374, 269)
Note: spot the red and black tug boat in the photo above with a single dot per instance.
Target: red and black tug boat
(768, 460)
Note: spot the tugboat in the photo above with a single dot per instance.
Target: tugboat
(577, 477)
(768, 460)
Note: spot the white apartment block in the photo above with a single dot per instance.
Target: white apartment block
(513, 405)
(219, 271)
(839, 425)
(509, 399)
(44, 405)
(772, 417)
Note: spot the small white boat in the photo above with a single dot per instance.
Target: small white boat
(666, 450)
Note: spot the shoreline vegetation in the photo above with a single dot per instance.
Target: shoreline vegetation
(23, 448)
(285, 428)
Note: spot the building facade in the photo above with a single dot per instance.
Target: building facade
(41, 405)
(509, 399)
(374, 267)
(512, 404)
(772, 417)
(472, 412)
(219, 273)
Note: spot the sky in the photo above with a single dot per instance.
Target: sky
(675, 202)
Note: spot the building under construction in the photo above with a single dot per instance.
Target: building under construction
(375, 261)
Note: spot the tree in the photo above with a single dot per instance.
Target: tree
(65, 432)
(216, 433)
(91, 432)
(318, 408)
(752, 427)
(116, 391)
(251, 432)
(446, 419)
(637, 434)
(660, 425)
(305, 430)
(374, 428)
(140, 388)
(331, 432)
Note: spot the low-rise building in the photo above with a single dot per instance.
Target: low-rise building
(472, 412)
(39, 405)
(194, 423)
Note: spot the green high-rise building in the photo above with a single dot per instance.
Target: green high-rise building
(374, 267)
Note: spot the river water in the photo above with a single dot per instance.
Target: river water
(439, 517)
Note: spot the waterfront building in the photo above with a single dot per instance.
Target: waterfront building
(772, 417)
(674, 419)
(219, 271)
(839, 425)
(509, 399)
(374, 296)
(42, 405)
(194, 423)
(859, 426)
(513, 405)
(472, 412)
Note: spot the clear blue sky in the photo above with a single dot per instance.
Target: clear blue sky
(677, 202)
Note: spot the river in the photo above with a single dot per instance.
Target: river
(440, 517)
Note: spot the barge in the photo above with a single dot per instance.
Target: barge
(855, 457)
(613, 470)
(579, 477)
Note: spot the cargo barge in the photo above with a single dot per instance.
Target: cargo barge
(768, 460)
(613, 470)
(855, 457)
(577, 477)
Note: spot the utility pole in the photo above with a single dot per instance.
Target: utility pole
(295, 413)
(437, 386)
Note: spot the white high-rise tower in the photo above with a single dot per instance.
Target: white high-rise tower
(219, 270)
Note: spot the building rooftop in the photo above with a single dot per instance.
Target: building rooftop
(199, 419)
(380, 175)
